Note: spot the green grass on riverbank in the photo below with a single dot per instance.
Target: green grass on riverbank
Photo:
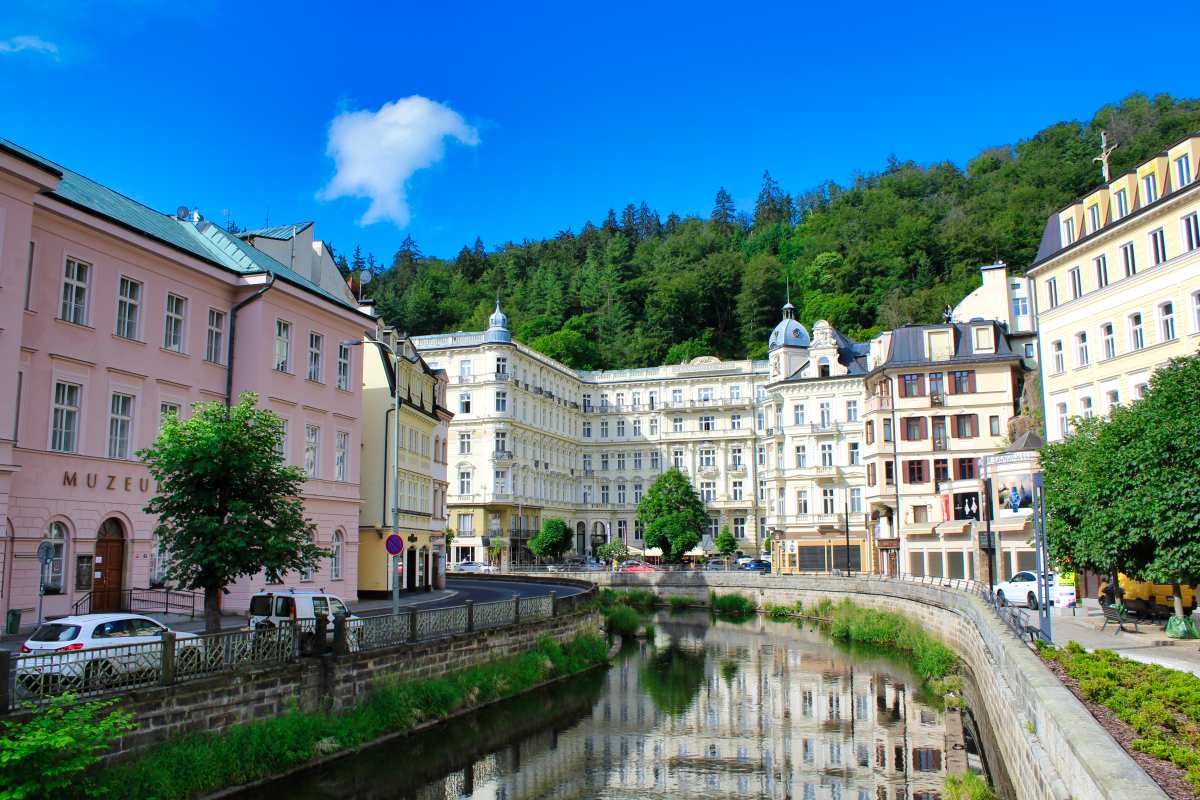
(199, 764)
(1161, 705)
(931, 659)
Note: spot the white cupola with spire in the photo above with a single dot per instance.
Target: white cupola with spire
(497, 326)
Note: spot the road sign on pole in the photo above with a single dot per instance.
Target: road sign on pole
(394, 544)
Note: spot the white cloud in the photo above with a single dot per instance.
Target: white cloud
(36, 44)
(376, 152)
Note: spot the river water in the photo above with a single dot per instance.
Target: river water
(709, 709)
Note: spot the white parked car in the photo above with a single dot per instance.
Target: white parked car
(67, 653)
(473, 567)
(1022, 589)
(268, 609)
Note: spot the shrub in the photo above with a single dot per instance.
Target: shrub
(641, 599)
(203, 763)
(850, 623)
(648, 631)
(678, 602)
(732, 605)
(781, 612)
(967, 786)
(823, 609)
(622, 621)
(1161, 705)
(47, 754)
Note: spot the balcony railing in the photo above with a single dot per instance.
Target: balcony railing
(877, 403)
(825, 427)
(503, 455)
(940, 443)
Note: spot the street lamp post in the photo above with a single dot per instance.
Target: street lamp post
(395, 560)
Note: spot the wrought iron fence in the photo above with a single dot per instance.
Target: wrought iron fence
(495, 614)
(36, 677)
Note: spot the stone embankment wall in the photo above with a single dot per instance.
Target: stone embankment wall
(1052, 746)
(326, 682)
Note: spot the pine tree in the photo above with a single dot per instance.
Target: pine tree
(649, 225)
(672, 223)
(629, 222)
(610, 222)
(356, 262)
(772, 204)
(723, 213)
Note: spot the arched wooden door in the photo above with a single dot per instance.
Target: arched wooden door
(411, 569)
(109, 567)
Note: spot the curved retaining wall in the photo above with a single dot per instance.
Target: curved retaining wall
(1051, 745)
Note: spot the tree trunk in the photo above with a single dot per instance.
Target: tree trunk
(212, 609)
(1177, 598)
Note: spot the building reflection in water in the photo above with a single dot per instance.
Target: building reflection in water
(761, 709)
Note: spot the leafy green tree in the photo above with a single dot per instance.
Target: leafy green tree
(570, 347)
(760, 299)
(673, 515)
(227, 504)
(726, 544)
(1123, 493)
(48, 753)
(552, 540)
(614, 552)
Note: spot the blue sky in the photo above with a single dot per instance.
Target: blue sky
(508, 121)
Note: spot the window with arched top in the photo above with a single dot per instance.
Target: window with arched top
(335, 555)
(823, 367)
(52, 572)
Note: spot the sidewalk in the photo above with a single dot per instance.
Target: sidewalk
(1149, 644)
(195, 624)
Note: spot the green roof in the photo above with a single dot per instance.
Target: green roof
(206, 241)
(281, 232)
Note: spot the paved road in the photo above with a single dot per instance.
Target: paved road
(458, 589)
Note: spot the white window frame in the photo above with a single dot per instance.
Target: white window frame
(1191, 231)
(341, 455)
(1128, 259)
(1158, 245)
(316, 357)
(1149, 189)
(214, 337)
(1122, 203)
(1101, 264)
(76, 291)
(1166, 322)
(283, 346)
(336, 545)
(1108, 336)
(312, 450)
(129, 308)
(1137, 331)
(175, 323)
(1081, 349)
(65, 417)
(120, 425)
(1183, 170)
(343, 367)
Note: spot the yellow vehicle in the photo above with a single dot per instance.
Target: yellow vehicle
(1149, 598)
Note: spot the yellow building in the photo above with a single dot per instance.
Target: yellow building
(938, 399)
(1116, 286)
(417, 469)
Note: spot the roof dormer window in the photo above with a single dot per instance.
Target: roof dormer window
(1093, 218)
(1122, 198)
(1149, 189)
(1068, 231)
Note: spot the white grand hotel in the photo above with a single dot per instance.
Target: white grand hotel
(769, 445)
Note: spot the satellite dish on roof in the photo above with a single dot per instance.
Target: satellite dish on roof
(364, 277)
(182, 212)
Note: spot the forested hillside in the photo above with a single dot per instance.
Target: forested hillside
(895, 246)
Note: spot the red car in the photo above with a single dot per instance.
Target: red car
(636, 566)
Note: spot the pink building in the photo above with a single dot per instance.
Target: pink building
(113, 314)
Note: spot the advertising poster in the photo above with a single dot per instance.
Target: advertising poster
(1014, 495)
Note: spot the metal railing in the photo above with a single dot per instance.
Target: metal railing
(137, 601)
(177, 658)
(36, 677)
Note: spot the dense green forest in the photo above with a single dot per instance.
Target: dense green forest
(893, 247)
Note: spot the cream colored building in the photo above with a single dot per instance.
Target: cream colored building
(533, 439)
(939, 398)
(1116, 285)
(810, 454)
(418, 470)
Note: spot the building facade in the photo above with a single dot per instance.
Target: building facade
(812, 471)
(115, 315)
(402, 479)
(938, 399)
(1116, 284)
(533, 439)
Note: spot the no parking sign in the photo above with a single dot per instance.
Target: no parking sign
(395, 545)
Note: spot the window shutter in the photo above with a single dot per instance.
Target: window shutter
(954, 427)
(971, 381)
(974, 424)
(950, 383)
(920, 385)
(903, 387)
(924, 428)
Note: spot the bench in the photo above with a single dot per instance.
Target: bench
(1117, 617)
